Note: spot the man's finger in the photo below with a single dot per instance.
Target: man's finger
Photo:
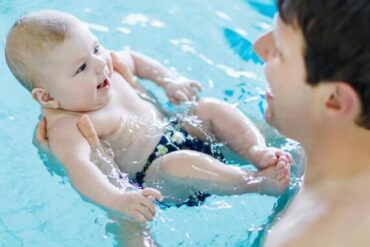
(40, 139)
(41, 131)
(87, 129)
(117, 64)
(120, 67)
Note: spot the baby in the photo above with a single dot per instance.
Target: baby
(70, 74)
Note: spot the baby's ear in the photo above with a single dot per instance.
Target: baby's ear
(44, 98)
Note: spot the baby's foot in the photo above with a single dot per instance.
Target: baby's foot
(273, 180)
(263, 157)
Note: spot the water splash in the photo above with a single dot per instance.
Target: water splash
(103, 158)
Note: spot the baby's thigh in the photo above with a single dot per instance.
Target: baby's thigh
(176, 164)
(174, 173)
(207, 110)
(184, 166)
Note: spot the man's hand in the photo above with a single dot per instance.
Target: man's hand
(84, 125)
(40, 139)
(122, 68)
(88, 131)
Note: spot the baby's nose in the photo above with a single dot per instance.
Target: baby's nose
(100, 64)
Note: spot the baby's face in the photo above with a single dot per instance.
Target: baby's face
(78, 72)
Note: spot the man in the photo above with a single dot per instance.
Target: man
(317, 62)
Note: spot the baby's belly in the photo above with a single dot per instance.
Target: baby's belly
(132, 145)
(133, 159)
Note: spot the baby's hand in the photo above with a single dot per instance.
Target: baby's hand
(181, 89)
(138, 205)
(264, 157)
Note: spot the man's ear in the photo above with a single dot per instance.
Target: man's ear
(342, 100)
(44, 98)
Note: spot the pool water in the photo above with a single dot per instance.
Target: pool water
(209, 41)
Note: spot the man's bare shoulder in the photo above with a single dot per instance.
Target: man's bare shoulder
(328, 217)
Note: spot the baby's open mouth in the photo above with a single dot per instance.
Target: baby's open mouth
(104, 84)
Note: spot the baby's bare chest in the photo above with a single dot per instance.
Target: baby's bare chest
(125, 107)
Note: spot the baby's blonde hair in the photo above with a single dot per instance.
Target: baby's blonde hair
(29, 40)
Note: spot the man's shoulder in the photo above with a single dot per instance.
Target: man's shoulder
(340, 219)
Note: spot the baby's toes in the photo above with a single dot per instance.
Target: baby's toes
(283, 170)
(269, 160)
(284, 182)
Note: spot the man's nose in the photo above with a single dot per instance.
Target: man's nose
(263, 45)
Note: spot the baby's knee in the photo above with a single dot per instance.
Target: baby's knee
(176, 164)
(207, 106)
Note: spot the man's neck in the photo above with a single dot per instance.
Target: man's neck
(338, 157)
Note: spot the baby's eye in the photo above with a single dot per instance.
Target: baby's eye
(81, 68)
(96, 49)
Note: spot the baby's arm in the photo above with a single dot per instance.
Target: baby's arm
(177, 88)
(74, 151)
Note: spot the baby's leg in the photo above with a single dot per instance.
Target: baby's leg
(182, 173)
(234, 128)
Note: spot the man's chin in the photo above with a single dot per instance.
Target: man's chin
(270, 119)
(269, 114)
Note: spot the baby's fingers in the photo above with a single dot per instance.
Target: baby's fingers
(181, 96)
(174, 100)
(138, 216)
(149, 205)
(152, 193)
(189, 92)
(197, 85)
(147, 212)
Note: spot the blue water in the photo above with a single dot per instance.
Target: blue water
(208, 40)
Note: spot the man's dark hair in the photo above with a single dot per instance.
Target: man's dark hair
(337, 43)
